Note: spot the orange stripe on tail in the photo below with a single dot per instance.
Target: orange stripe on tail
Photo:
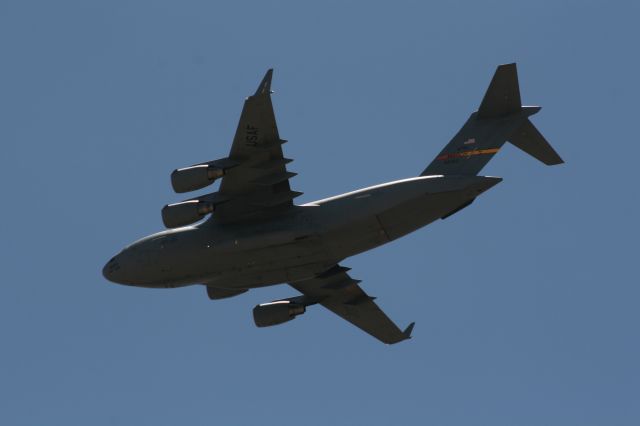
(466, 154)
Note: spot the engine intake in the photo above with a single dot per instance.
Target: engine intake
(278, 312)
(185, 213)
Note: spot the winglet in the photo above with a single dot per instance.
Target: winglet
(407, 331)
(265, 84)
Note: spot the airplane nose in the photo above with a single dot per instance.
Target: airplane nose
(110, 270)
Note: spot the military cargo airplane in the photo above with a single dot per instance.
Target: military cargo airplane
(256, 236)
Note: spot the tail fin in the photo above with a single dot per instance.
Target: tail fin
(501, 117)
(503, 95)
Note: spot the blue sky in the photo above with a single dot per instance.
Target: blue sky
(526, 303)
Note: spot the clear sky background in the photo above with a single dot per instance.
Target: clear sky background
(526, 303)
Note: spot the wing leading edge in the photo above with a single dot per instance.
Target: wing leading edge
(259, 184)
(341, 294)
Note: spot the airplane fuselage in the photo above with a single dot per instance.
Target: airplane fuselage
(256, 235)
(297, 245)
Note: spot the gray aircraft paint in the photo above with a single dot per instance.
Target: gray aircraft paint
(257, 237)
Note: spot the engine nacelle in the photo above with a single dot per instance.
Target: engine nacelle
(274, 313)
(195, 177)
(185, 213)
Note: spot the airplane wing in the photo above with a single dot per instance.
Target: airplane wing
(338, 292)
(259, 183)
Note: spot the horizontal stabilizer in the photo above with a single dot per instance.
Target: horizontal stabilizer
(531, 141)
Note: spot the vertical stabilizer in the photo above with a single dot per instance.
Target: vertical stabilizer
(503, 95)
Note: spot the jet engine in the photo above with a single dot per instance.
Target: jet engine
(274, 313)
(200, 175)
(194, 177)
(185, 213)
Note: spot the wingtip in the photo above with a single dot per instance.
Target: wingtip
(265, 85)
(555, 162)
(407, 331)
